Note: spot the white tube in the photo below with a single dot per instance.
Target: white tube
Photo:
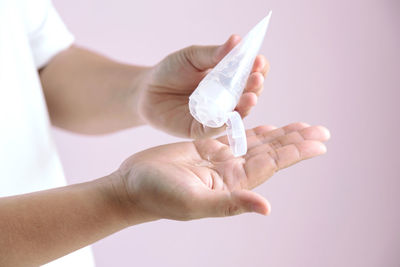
(219, 92)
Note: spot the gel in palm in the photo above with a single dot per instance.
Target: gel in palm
(215, 98)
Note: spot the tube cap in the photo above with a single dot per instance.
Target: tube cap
(236, 134)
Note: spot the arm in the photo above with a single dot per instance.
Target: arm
(89, 93)
(42, 226)
(180, 181)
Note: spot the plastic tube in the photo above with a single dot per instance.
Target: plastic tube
(215, 98)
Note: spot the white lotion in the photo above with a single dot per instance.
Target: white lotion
(216, 96)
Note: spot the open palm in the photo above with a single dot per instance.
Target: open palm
(167, 87)
(197, 179)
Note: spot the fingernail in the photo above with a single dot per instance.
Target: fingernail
(261, 209)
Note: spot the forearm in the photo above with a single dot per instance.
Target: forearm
(88, 93)
(39, 227)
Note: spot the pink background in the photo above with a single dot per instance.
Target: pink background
(334, 63)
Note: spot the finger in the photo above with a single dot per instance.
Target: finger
(253, 201)
(261, 65)
(260, 129)
(206, 57)
(317, 133)
(266, 133)
(255, 83)
(250, 132)
(224, 49)
(261, 166)
(263, 137)
(246, 102)
(293, 153)
(213, 203)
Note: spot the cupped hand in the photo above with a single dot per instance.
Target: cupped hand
(198, 179)
(168, 85)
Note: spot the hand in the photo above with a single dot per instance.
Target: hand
(167, 87)
(198, 179)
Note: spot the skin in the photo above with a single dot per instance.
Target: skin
(170, 93)
(192, 180)
(88, 93)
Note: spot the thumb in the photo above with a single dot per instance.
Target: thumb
(206, 57)
(223, 203)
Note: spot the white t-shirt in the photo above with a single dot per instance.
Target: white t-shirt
(31, 33)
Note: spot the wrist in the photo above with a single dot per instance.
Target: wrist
(137, 90)
(126, 208)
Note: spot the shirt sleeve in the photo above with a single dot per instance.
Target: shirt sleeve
(51, 38)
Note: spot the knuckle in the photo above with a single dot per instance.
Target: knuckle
(191, 50)
(276, 144)
(232, 210)
(273, 160)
